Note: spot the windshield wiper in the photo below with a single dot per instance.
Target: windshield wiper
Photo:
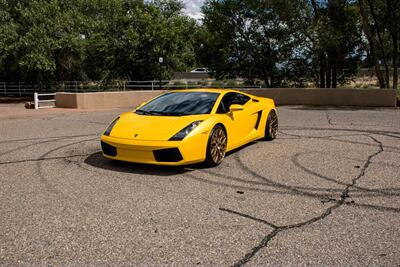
(173, 113)
(162, 113)
(144, 112)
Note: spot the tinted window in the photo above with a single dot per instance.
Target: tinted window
(230, 99)
(180, 103)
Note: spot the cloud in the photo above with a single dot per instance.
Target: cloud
(193, 8)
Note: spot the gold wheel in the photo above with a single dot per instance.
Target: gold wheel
(273, 125)
(218, 145)
(271, 129)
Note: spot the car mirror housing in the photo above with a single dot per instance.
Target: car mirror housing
(236, 107)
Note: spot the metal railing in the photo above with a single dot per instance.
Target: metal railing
(20, 89)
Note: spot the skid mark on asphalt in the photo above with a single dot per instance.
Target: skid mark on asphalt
(263, 184)
(328, 118)
(277, 229)
(45, 138)
(39, 170)
(294, 128)
(279, 188)
(330, 138)
(42, 159)
(384, 191)
(273, 186)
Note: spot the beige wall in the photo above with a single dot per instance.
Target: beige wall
(282, 96)
(104, 99)
(329, 97)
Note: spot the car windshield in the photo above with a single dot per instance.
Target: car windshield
(180, 104)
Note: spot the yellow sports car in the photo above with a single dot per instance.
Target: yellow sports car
(189, 126)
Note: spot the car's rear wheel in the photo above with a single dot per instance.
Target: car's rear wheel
(216, 147)
(271, 128)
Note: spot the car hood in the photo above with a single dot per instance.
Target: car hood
(148, 127)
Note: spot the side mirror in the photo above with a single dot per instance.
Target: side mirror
(235, 107)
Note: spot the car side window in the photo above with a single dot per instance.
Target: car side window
(243, 98)
(225, 103)
(230, 99)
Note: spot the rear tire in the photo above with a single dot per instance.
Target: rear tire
(271, 127)
(216, 146)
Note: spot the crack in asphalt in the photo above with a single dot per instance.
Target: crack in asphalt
(295, 161)
(277, 229)
(344, 194)
(250, 217)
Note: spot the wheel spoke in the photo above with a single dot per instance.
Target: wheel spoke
(218, 145)
(274, 125)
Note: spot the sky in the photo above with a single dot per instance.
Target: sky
(193, 8)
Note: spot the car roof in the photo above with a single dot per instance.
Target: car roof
(210, 90)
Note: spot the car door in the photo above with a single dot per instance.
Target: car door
(248, 116)
(240, 123)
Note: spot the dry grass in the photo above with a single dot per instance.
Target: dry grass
(363, 82)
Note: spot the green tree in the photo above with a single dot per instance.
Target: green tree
(251, 39)
(381, 26)
(93, 39)
(41, 40)
(336, 40)
(282, 42)
(161, 31)
(8, 40)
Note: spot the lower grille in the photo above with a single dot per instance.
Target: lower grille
(168, 155)
(109, 150)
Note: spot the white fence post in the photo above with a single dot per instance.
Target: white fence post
(36, 100)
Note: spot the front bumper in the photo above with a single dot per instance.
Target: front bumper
(189, 150)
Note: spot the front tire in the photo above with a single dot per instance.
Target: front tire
(216, 146)
(271, 127)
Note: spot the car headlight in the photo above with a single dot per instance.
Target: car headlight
(185, 131)
(110, 127)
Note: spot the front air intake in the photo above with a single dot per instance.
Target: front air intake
(108, 150)
(168, 155)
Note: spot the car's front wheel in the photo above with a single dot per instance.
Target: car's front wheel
(271, 128)
(216, 147)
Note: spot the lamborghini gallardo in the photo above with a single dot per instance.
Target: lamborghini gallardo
(190, 126)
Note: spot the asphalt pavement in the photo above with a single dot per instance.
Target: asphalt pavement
(326, 192)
